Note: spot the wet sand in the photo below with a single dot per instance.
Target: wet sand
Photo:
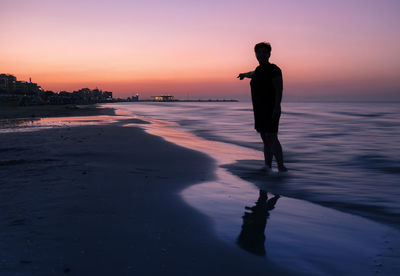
(43, 111)
(103, 200)
(111, 199)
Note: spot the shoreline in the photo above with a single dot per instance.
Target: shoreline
(43, 111)
(299, 182)
(244, 169)
(248, 170)
(105, 199)
(88, 201)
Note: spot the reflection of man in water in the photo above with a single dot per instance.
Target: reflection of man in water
(252, 237)
(266, 94)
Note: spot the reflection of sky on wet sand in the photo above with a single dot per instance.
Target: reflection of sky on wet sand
(36, 123)
(33, 124)
(298, 233)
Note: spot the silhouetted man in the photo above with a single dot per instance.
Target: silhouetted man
(266, 94)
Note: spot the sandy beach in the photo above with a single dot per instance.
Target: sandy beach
(107, 199)
(43, 111)
(102, 200)
(199, 138)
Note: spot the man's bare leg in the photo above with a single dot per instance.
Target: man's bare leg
(276, 149)
(267, 150)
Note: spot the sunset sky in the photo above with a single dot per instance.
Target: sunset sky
(327, 50)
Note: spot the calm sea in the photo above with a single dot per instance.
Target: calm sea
(342, 155)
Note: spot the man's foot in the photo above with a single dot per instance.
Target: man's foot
(282, 168)
(266, 168)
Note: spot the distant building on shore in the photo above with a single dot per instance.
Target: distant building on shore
(82, 96)
(11, 86)
(163, 98)
(15, 92)
(134, 98)
(7, 84)
(107, 95)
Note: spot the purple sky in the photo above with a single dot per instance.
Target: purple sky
(328, 50)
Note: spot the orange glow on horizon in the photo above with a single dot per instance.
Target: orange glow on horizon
(199, 49)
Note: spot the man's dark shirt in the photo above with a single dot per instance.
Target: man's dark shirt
(263, 97)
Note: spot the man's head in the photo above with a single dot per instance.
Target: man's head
(263, 51)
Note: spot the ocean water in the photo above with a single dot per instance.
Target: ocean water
(338, 210)
(340, 155)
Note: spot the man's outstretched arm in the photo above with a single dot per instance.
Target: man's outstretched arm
(246, 75)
